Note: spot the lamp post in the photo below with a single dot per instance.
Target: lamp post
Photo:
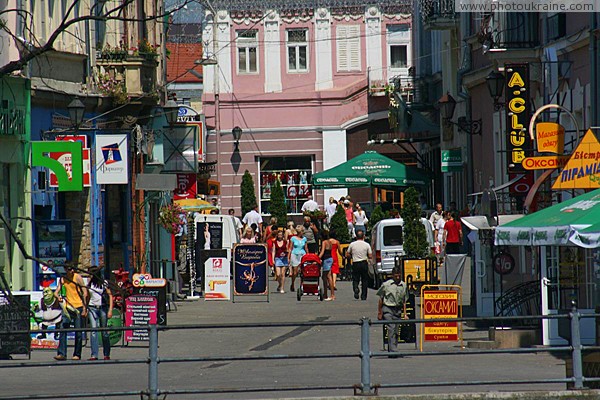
(495, 83)
(76, 110)
(237, 134)
(447, 106)
(171, 110)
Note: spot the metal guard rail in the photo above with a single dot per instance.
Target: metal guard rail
(365, 387)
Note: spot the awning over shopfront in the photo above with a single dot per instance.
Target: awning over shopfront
(480, 222)
(555, 225)
(370, 169)
(195, 205)
(588, 237)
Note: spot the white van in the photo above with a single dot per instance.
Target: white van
(387, 243)
(229, 234)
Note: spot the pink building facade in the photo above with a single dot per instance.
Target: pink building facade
(297, 82)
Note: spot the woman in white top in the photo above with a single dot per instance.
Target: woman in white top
(439, 233)
(99, 312)
(249, 236)
(360, 220)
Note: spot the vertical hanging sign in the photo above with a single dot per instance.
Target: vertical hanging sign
(518, 112)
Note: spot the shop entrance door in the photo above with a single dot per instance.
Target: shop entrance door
(567, 275)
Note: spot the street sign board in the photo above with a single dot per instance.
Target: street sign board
(440, 304)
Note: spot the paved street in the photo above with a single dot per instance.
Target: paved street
(286, 340)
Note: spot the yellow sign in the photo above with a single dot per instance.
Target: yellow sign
(550, 138)
(415, 269)
(583, 168)
(547, 162)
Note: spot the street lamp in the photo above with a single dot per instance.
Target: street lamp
(206, 61)
(237, 134)
(76, 110)
(495, 83)
(171, 110)
(447, 106)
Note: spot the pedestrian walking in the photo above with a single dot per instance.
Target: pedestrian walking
(253, 217)
(271, 227)
(349, 217)
(336, 253)
(238, 224)
(296, 249)
(310, 233)
(360, 252)
(75, 297)
(392, 305)
(290, 230)
(100, 310)
(280, 255)
(453, 234)
(326, 256)
(440, 244)
(360, 220)
(436, 215)
(249, 236)
(310, 205)
(270, 253)
(330, 209)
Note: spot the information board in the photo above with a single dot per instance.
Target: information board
(216, 279)
(14, 316)
(250, 269)
(440, 304)
(140, 310)
(144, 284)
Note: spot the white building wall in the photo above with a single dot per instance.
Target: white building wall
(323, 50)
(374, 44)
(334, 154)
(272, 49)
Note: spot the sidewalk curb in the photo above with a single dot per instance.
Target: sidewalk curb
(534, 395)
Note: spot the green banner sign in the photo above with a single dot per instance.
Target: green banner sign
(452, 160)
(68, 181)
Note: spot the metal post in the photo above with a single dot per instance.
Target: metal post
(576, 344)
(365, 356)
(153, 363)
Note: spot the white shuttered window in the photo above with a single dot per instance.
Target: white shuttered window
(348, 47)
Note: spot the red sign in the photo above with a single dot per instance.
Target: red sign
(440, 304)
(187, 187)
(504, 263)
(140, 310)
(65, 159)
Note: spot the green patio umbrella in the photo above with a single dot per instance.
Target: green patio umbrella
(554, 225)
(588, 237)
(370, 169)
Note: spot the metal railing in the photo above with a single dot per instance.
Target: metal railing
(365, 387)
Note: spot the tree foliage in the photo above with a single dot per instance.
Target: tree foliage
(376, 216)
(339, 224)
(247, 193)
(415, 237)
(278, 208)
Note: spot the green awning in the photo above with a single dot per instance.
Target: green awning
(588, 237)
(370, 169)
(554, 225)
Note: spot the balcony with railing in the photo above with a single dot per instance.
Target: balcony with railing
(438, 14)
(127, 75)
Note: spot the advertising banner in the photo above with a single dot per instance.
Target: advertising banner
(65, 159)
(550, 137)
(583, 168)
(111, 159)
(216, 279)
(53, 246)
(43, 317)
(452, 160)
(140, 310)
(517, 115)
(209, 235)
(187, 187)
(439, 304)
(250, 269)
(144, 284)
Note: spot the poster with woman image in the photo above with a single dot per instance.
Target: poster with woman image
(209, 235)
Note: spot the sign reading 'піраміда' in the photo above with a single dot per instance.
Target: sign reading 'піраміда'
(583, 168)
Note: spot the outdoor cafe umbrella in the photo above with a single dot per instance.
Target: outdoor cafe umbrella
(195, 205)
(370, 169)
(554, 225)
(588, 237)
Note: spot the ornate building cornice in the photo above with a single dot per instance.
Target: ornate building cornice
(387, 6)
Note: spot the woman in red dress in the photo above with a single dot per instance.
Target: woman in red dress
(335, 251)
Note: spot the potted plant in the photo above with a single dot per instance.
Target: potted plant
(169, 218)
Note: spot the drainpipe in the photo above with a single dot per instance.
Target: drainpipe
(462, 93)
(594, 65)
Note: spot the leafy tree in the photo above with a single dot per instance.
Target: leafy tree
(247, 192)
(278, 207)
(339, 224)
(376, 216)
(415, 237)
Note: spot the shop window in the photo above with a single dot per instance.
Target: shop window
(294, 173)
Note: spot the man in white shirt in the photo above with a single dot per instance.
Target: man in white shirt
(330, 209)
(310, 204)
(238, 224)
(360, 251)
(253, 217)
(436, 215)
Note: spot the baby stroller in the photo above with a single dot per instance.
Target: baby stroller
(310, 274)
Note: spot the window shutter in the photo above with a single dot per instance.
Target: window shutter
(354, 47)
(342, 47)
